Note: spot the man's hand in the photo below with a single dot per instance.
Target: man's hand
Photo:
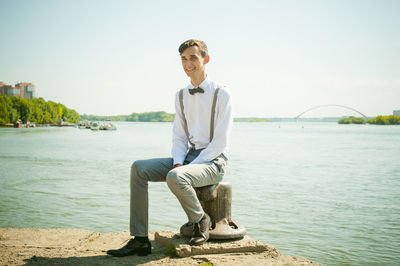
(176, 165)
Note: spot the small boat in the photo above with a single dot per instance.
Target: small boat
(109, 126)
(94, 126)
(30, 124)
(82, 124)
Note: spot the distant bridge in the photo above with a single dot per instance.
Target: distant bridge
(328, 105)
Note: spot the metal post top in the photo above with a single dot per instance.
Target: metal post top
(211, 192)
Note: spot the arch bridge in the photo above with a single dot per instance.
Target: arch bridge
(330, 105)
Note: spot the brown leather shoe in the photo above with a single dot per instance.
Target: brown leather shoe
(201, 231)
(187, 229)
(133, 247)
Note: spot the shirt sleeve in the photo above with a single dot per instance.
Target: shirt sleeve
(222, 129)
(179, 139)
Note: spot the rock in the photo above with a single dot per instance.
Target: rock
(174, 241)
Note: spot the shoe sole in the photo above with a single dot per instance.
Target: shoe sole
(199, 243)
(142, 252)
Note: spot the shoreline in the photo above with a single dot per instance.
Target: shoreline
(12, 125)
(31, 246)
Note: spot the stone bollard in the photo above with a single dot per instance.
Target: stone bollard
(216, 201)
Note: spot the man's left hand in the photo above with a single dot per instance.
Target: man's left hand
(176, 165)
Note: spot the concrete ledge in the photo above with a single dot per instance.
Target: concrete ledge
(173, 240)
(42, 247)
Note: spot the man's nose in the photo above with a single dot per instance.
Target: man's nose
(188, 63)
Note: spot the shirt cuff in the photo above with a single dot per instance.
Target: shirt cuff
(178, 160)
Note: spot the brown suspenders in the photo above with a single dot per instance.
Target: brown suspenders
(212, 120)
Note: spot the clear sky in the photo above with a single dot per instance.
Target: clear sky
(278, 58)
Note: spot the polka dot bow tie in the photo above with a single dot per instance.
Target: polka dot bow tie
(195, 90)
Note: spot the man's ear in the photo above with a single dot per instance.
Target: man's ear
(207, 59)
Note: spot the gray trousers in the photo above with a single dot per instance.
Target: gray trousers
(181, 181)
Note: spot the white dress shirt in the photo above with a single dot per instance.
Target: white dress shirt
(197, 110)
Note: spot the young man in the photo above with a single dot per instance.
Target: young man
(201, 129)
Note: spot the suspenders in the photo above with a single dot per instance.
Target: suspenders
(211, 120)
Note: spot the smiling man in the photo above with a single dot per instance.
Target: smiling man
(201, 129)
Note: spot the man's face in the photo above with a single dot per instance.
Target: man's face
(192, 61)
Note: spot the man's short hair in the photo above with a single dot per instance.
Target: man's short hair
(202, 47)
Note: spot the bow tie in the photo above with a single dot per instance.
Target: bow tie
(195, 90)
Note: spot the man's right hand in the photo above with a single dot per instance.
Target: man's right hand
(176, 165)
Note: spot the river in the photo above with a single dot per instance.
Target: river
(327, 192)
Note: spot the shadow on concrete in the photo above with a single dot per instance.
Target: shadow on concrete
(93, 260)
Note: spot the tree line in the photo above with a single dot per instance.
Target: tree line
(134, 117)
(251, 119)
(34, 110)
(156, 117)
(41, 112)
(385, 120)
(352, 120)
(379, 120)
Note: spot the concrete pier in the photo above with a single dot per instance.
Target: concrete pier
(28, 246)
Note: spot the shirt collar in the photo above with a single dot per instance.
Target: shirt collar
(205, 84)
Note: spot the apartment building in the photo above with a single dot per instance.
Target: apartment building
(23, 89)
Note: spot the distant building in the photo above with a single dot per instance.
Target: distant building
(3, 89)
(27, 90)
(22, 89)
(9, 90)
(396, 112)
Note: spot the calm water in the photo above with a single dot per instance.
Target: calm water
(327, 192)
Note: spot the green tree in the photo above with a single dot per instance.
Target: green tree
(25, 110)
(14, 115)
(38, 110)
(385, 120)
(5, 107)
(393, 120)
(34, 110)
(352, 120)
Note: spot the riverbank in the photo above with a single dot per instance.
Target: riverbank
(27, 246)
(19, 125)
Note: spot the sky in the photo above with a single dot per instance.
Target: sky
(278, 58)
